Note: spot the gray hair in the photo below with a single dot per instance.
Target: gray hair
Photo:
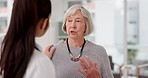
(85, 13)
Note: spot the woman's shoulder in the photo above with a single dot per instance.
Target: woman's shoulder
(92, 45)
(39, 63)
(39, 57)
(60, 44)
(95, 48)
(40, 60)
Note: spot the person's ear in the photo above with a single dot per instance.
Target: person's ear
(44, 24)
(42, 27)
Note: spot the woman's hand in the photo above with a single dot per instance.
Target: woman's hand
(49, 51)
(90, 69)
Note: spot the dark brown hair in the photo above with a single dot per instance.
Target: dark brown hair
(19, 42)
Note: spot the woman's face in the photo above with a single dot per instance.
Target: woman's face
(75, 25)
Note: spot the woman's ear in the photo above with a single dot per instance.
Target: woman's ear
(44, 24)
(42, 27)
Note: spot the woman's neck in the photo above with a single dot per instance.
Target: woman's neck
(76, 42)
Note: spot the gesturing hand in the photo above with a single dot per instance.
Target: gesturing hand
(89, 69)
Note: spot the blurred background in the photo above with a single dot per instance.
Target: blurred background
(121, 26)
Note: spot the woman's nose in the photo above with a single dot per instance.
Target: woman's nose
(73, 24)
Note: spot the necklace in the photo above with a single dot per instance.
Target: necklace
(75, 59)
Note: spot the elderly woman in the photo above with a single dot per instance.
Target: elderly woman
(69, 56)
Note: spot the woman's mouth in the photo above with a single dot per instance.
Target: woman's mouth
(72, 32)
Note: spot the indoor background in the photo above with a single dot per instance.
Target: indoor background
(121, 26)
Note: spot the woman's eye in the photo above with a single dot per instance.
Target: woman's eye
(78, 21)
(69, 20)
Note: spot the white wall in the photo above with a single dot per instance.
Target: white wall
(51, 36)
(104, 24)
(143, 22)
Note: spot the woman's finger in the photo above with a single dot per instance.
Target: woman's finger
(82, 72)
(50, 54)
(83, 66)
(49, 47)
(52, 50)
(89, 61)
(96, 65)
(49, 51)
(84, 63)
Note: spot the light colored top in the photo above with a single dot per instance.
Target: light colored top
(40, 66)
(65, 68)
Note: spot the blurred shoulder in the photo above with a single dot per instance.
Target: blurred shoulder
(39, 63)
(38, 57)
(60, 44)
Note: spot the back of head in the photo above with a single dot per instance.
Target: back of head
(19, 42)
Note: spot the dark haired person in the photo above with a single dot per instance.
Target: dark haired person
(20, 56)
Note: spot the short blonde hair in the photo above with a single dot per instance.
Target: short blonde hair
(85, 13)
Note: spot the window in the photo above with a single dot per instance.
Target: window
(3, 24)
(3, 3)
(3, 21)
